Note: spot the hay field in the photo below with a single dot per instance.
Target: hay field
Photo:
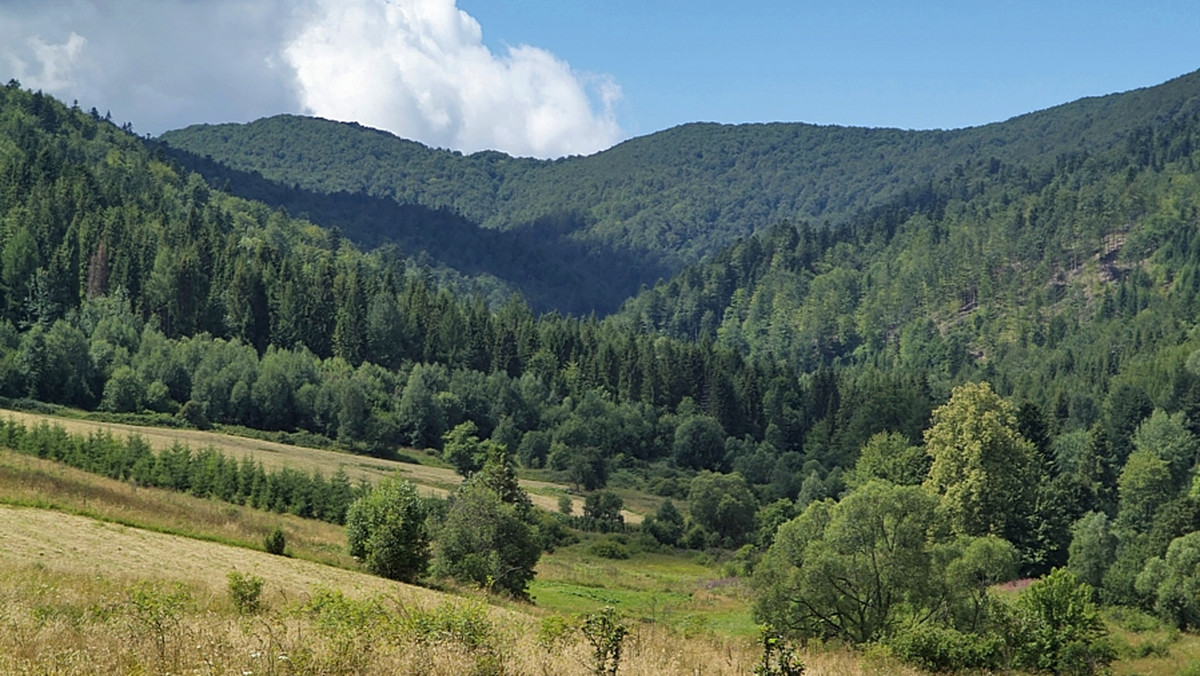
(64, 544)
(81, 596)
(436, 481)
(36, 482)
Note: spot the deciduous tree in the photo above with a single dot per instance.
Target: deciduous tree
(385, 529)
(982, 469)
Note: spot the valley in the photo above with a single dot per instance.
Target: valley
(906, 402)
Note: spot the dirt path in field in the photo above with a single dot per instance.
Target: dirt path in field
(274, 456)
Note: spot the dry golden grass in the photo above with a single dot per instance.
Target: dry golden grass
(26, 480)
(275, 456)
(80, 596)
(65, 543)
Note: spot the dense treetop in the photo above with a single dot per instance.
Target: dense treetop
(667, 199)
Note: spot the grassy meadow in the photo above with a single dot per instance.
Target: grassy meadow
(675, 590)
(98, 576)
(431, 476)
(103, 576)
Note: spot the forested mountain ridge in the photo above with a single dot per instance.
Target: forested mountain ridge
(670, 198)
(1066, 287)
(129, 285)
(543, 263)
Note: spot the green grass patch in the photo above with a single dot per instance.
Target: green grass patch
(1148, 646)
(674, 589)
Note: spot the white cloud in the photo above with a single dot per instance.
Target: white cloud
(159, 64)
(57, 62)
(418, 68)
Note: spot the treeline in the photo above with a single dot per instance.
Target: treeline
(582, 398)
(668, 199)
(128, 286)
(1050, 283)
(206, 473)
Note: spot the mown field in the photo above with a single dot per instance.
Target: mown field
(97, 576)
(431, 479)
(102, 576)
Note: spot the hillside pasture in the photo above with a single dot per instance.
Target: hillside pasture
(82, 596)
(274, 456)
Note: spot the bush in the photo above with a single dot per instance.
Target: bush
(555, 632)
(157, 613)
(1058, 629)
(666, 526)
(605, 633)
(193, 414)
(943, 649)
(275, 542)
(609, 548)
(697, 538)
(742, 563)
(385, 529)
(463, 626)
(245, 591)
(552, 530)
(778, 658)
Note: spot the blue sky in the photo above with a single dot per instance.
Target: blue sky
(549, 78)
(899, 64)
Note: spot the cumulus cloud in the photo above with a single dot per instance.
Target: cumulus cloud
(417, 68)
(159, 64)
(420, 68)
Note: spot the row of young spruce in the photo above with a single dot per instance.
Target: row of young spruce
(206, 473)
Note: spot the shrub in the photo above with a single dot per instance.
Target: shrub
(554, 632)
(275, 542)
(463, 626)
(353, 628)
(157, 612)
(605, 633)
(609, 548)
(245, 591)
(666, 526)
(466, 625)
(385, 529)
(193, 414)
(778, 658)
(943, 649)
(1058, 628)
(552, 530)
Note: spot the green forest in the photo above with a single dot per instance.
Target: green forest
(889, 369)
(646, 207)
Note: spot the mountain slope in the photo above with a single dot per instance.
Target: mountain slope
(551, 270)
(1054, 283)
(131, 286)
(672, 197)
